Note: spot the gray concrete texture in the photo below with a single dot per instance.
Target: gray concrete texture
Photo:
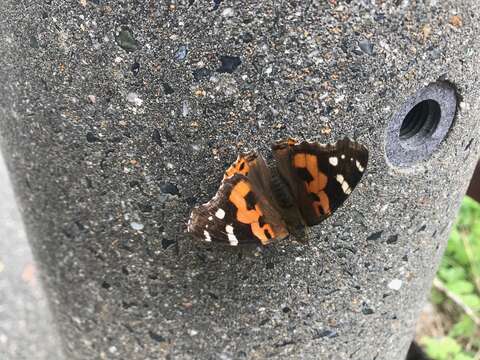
(118, 117)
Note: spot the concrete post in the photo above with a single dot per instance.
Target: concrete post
(118, 117)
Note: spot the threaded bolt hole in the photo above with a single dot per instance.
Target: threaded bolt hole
(421, 124)
(421, 121)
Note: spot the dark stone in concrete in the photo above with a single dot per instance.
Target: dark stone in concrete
(201, 73)
(169, 188)
(181, 53)
(135, 68)
(229, 64)
(295, 79)
(167, 89)
(366, 46)
(126, 40)
(375, 236)
(325, 333)
(166, 243)
(392, 239)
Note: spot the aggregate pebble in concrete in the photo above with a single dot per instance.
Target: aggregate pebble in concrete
(253, 72)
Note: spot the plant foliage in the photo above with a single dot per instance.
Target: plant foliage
(460, 273)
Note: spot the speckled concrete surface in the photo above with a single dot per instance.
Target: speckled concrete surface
(118, 117)
(26, 326)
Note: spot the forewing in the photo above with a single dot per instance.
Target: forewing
(321, 177)
(242, 211)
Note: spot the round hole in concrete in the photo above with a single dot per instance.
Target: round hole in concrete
(421, 121)
(421, 124)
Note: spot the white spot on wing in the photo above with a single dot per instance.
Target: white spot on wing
(359, 166)
(345, 187)
(220, 214)
(333, 161)
(210, 218)
(343, 156)
(232, 239)
(207, 236)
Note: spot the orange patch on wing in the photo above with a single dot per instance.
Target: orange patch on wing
(310, 163)
(300, 161)
(259, 232)
(242, 188)
(324, 202)
(240, 166)
(250, 217)
(322, 180)
(318, 182)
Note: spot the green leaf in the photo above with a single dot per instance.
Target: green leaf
(463, 356)
(464, 328)
(472, 301)
(444, 348)
(459, 269)
(456, 249)
(461, 287)
(474, 252)
(452, 274)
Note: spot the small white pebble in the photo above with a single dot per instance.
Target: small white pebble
(92, 99)
(192, 332)
(395, 284)
(323, 96)
(185, 109)
(228, 12)
(134, 99)
(136, 225)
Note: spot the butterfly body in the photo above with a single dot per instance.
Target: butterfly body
(256, 204)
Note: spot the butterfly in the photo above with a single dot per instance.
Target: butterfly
(258, 204)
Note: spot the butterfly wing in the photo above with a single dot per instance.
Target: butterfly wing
(242, 211)
(320, 177)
